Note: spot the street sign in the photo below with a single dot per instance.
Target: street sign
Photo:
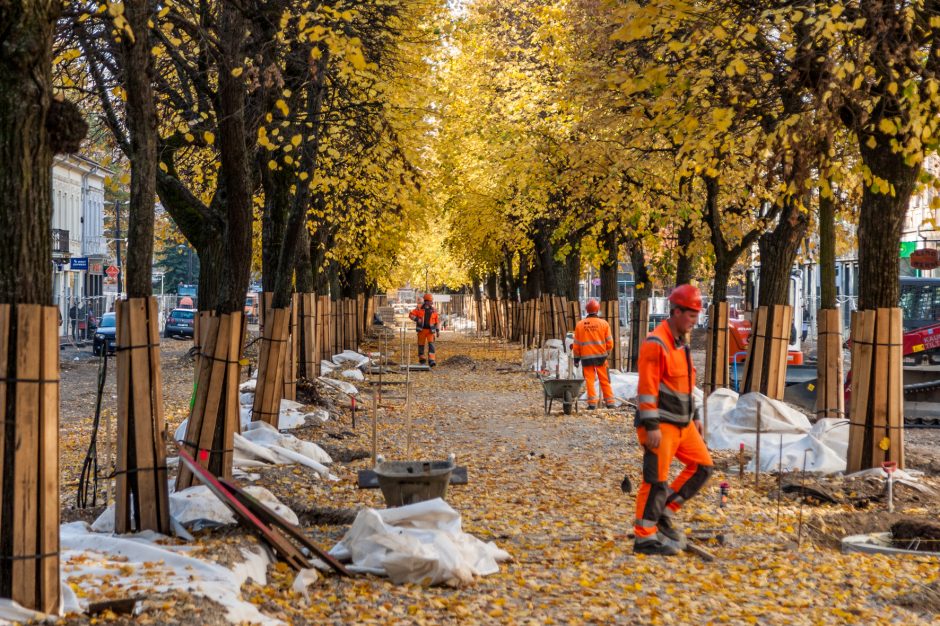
(925, 259)
(112, 271)
(79, 263)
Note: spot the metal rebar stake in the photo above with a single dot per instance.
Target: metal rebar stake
(757, 449)
(799, 532)
(779, 477)
(375, 429)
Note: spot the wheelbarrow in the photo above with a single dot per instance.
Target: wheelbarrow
(565, 389)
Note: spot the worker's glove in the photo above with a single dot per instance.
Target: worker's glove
(577, 362)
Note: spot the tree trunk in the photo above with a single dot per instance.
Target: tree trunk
(880, 223)
(643, 289)
(827, 252)
(572, 274)
(778, 250)
(273, 222)
(721, 276)
(32, 129)
(234, 176)
(490, 285)
(303, 266)
(684, 258)
(610, 265)
(545, 251)
(141, 115)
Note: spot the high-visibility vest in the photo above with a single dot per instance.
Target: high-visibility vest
(592, 340)
(425, 318)
(667, 379)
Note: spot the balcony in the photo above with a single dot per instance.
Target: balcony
(95, 246)
(60, 241)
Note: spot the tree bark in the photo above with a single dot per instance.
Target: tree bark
(827, 252)
(610, 265)
(572, 281)
(686, 236)
(644, 288)
(778, 250)
(303, 266)
(880, 224)
(542, 237)
(141, 115)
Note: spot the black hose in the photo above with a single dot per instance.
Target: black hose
(88, 481)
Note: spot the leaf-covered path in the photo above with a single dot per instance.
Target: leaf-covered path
(547, 489)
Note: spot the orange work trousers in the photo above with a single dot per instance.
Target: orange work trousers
(655, 496)
(593, 373)
(425, 337)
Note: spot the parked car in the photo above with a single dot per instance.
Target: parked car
(105, 335)
(179, 322)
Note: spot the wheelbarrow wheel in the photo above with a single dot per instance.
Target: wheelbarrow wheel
(566, 404)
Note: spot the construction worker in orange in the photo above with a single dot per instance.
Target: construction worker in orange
(592, 344)
(427, 324)
(668, 426)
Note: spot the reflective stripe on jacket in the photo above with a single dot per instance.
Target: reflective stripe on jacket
(592, 340)
(667, 379)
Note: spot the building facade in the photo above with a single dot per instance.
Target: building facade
(79, 246)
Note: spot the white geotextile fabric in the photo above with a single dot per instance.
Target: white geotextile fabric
(419, 543)
(199, 503)
(136, 562)
(350, 358)
(261, 444)
(732, 420)
(547, 359)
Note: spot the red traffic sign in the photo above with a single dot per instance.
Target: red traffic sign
(112, 271)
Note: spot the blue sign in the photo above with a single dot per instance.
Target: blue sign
(79, 263)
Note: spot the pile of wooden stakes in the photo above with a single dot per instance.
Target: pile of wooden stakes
(876, 431)
(140, 473)
(214, 416)
(29, 456)
(766, 367)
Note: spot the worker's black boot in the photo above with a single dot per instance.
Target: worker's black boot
(671, 531)
(432, 362)
(592, 407)
(421, 360)
(654, 545)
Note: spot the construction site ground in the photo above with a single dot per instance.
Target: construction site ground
(548, 490)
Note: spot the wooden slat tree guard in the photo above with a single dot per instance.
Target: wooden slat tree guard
(876, 431)
(214, 416)
(765, 370)
(830, 395)
(292, 353)
(610, 311)
(716, 347)
(639, 329)
(29, 462)
(141, 501)
(309, 335)
(275, 344)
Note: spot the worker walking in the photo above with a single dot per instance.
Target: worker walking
(427, 325)
(592, 344)
(664, 427)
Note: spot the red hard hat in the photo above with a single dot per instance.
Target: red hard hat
(592, 306)
(687, 296)
(428, 297)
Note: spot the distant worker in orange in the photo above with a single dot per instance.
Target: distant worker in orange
(665, 428)
(592, 344)
(427, 325)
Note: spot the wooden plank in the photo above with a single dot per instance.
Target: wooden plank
(5, 347)
(26, 474)
(157, 423)
(232, 412)
(754, 366)
(122, 507)
(880, 391)
(144, 497)
(895, 389)
(197, 414)
(859, 454)
(215, 392)
(778, 381)
(49, 463)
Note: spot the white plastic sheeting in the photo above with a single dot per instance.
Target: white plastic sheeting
(733, 421)
(135, 562)
(349, 358)
(547, 359)
(353, 375)
(419, 543)
(198, 503)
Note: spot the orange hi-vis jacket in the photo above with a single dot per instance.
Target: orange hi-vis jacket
(425, 319)
(592, 340)
(667, 377)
